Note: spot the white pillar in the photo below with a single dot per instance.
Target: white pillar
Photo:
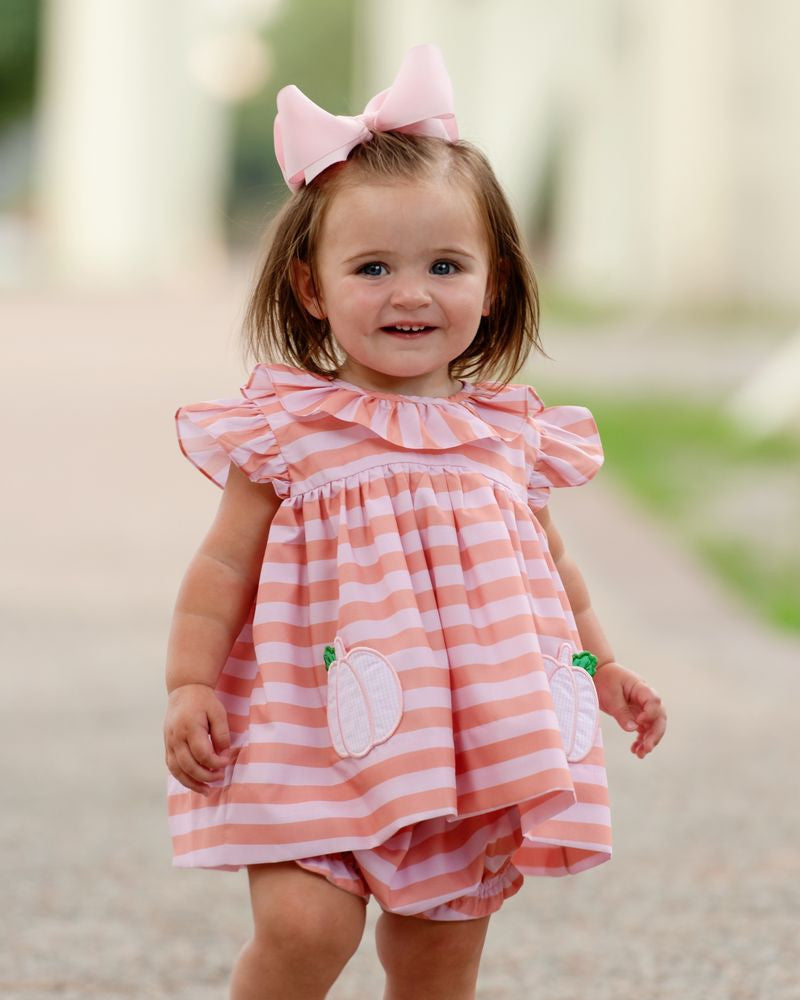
(132, 152)
(645, 199)
(674, 126)
(502, 57)
(691, 151)
(680, 180)
(766, 152)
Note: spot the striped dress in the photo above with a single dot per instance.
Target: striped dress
(401, 694)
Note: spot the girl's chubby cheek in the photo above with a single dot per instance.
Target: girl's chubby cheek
(357, 297)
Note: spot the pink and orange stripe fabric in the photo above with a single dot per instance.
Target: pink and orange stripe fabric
(407, 526)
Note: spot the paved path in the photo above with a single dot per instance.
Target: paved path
(102, 515)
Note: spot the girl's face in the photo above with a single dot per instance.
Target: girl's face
(409, 254)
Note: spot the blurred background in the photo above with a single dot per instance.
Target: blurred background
(650, 151)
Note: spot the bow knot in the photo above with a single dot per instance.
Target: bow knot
(420, 101)
(371, 120)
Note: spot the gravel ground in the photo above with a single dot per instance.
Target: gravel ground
(702, 895)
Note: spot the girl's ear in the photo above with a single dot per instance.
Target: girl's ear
(304, 286)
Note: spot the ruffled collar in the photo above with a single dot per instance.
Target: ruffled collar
(475, 412)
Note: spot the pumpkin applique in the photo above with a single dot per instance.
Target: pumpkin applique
(365, 698)
(574, 699)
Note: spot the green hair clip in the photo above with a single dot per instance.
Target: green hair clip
(586, 660)
(330, 656)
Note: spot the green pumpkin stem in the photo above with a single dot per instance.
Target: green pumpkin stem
(586, 660)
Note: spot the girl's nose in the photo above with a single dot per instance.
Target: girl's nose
(409, 293)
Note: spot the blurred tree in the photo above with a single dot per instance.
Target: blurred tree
(19, 31)
(310, 43)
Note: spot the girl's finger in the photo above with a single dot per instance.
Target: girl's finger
(203, 752)
(618, 707)
(653, 721)
(650, 736)
(624, 719)
(189, 764)
(650, 707)
(657, 731)
(218, 724)
(190, 783)
(180, 775)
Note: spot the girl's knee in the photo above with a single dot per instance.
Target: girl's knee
(303, 917)
(410, 948)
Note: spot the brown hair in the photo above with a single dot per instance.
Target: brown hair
(277, 327)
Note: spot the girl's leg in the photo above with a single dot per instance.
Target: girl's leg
(435, 959)
(305, 931)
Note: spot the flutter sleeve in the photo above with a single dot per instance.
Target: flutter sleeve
(214, 433)
(564, 448)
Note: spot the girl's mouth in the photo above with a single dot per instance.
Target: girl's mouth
(408, 332)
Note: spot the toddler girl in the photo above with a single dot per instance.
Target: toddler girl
(384, 672)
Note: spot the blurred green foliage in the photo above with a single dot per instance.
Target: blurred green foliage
(772, 588)
(678, 457)
(19, 30)
(310, 45)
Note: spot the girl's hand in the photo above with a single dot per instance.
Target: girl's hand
(193, 714)
(633, 703)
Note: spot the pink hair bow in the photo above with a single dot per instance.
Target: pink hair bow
(420, 101)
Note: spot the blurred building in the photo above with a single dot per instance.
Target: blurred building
(654, 146)
(135, 132)
(649, 148)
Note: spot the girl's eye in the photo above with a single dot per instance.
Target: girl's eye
(440, 267)
(372, 270)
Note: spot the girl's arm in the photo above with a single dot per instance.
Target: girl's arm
(620, 692)
(213, 602)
